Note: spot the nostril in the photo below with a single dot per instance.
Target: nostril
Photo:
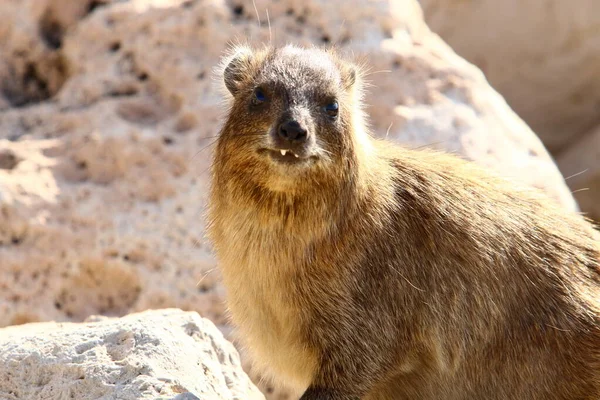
(291, 130)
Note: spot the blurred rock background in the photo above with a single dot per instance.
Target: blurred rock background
(543, 56)
(109, 110)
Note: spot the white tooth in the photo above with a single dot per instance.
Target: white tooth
(283, 152)
(296, 155)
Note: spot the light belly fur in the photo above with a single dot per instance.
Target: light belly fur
(268, 324)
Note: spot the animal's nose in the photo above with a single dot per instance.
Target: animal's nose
(291, 130)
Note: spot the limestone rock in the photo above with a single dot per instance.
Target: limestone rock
(541, 55)
(104, 183)
(164, 354)
(108, 114)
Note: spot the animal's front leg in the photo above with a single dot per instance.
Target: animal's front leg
(314, 393)
(342, 375)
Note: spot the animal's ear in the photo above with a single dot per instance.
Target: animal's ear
(237, 67)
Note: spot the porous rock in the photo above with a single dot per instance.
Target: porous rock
(541, 55)
(108, 114)
(165, 354)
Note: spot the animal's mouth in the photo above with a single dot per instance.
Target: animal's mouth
(286, 156)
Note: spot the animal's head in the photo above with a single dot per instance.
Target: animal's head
(293, 114)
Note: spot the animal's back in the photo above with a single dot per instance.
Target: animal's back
(510, 284)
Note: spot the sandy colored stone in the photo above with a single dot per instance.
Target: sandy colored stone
(541, 55)
(164, 354)
(109, 139)
(581, 165)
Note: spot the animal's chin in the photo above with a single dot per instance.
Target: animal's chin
(284, 172)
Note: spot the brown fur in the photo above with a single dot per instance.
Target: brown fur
(379, 272)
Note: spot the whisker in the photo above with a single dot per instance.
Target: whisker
(577, 174)
(234, 135)
(205, 275)
(580, 190)
(269, 22)
(256, 10)
(406, 279)
(202, 149)
(205, 170)
(216, 140)
(378, 72)
(427, 145)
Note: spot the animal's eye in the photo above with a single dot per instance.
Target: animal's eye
(332, 109)
(259, 96)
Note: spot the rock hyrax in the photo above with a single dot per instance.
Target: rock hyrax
(357, 269)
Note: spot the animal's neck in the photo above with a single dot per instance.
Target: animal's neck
(308, 214)
(318, 207)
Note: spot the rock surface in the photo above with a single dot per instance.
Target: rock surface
(165, 354)
(541, 55)
(107, 117)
